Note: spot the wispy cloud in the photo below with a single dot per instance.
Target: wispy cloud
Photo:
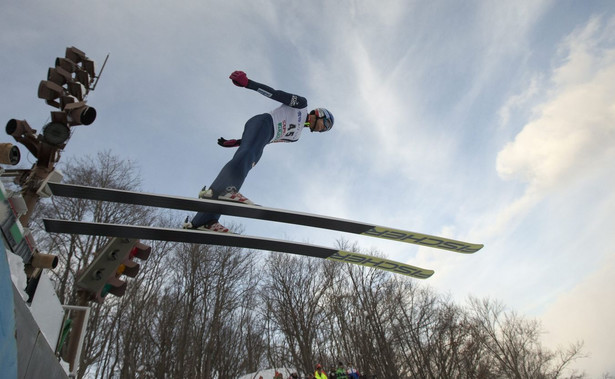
(563, 156)
(585, 313)
(575, 129)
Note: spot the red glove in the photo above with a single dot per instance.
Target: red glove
(239, 78)
(229, 143)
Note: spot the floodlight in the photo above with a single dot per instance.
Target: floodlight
(75, 54)
(9, 154)
(59, 76)
(55, 133)
(66, 64)
(77, 89)
(89, 66)
(50, 91)
(18, 128)
(83, 77)
(79, 113)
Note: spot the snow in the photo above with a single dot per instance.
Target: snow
(268, 374)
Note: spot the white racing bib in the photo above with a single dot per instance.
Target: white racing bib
(288, 123)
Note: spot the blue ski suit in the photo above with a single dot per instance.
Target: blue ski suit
(283, 124)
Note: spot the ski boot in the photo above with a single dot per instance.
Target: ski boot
(230, 195)
(212, 226)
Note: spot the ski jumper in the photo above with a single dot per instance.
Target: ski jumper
(283, 124)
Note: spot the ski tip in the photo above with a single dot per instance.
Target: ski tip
(425, 240)
(469, 249)
(381, 264)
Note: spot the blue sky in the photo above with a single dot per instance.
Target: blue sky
(492, 122)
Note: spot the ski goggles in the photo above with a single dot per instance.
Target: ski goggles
(326, 117)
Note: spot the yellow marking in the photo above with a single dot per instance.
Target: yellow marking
(423, 240)
(381, 263)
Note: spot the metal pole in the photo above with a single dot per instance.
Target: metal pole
(75, 348)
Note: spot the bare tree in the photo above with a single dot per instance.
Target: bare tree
(513, 343)
(294, 288)
(368, 320)
(203, 311)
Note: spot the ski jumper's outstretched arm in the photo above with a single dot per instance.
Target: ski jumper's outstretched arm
(286, 98)
(240, 79)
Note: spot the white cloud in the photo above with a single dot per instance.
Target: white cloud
(518, 102)
(575, 130)
(506, 25)
(585, 312)
(565, 157)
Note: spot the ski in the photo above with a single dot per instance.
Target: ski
(262, 213)
(234, 240)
